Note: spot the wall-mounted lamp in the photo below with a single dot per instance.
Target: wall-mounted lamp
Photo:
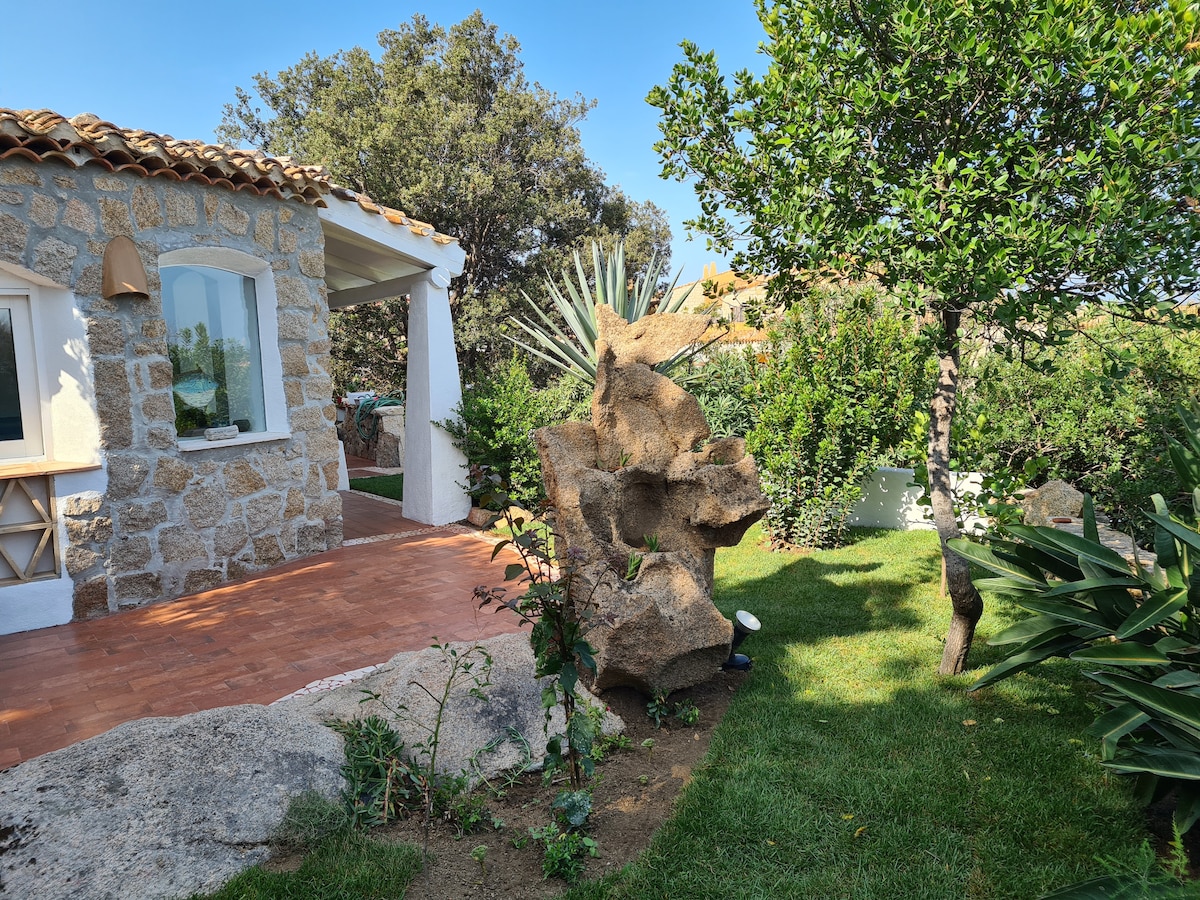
(744, 625)
(124, 273)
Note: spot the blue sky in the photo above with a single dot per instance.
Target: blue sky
(170, 68)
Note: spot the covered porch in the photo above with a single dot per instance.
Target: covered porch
(375, 253)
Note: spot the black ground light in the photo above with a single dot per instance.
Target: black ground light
(744, 624)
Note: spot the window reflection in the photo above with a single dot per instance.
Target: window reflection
(213, 344)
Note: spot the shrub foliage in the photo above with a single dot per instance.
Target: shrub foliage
(1098, 409)
(496, 418)
(833, 395)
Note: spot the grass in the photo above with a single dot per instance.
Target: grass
(341, 862)
(391, 486)
(846, 768)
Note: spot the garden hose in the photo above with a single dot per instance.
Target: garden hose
(368, 424)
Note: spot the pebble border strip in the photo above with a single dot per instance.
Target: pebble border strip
(327, 684)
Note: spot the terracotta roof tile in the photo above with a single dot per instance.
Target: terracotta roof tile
(38, 135)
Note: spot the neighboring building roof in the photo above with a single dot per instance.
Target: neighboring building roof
(38, 135)
(727, 286)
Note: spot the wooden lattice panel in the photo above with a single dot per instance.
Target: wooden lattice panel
(28, 534)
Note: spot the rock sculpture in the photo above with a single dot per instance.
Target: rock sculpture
(641, 476)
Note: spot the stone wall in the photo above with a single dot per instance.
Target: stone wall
(171, 521)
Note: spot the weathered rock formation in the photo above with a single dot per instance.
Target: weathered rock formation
(166, 807)
(640, 474)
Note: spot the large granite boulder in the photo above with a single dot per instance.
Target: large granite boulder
(514, 701)
(160, 807)
(166, 807)
(1053, 499)
(639, 476)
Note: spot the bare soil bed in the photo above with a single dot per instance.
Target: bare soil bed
(632, 796)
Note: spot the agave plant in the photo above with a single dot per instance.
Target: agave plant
(1138, 622)
(576, 302)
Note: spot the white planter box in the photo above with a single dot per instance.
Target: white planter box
(889, 500)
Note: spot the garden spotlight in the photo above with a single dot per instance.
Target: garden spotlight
(744, 624)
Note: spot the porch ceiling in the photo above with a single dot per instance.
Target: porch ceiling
(368, 257)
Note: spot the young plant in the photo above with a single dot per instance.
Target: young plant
(573, 807)
(385, 777)
(651, 541)
(657, 709)
(632, 566)
(557, 603)
(564, 852)
(479, 854)
(380, 781)
(648, 743)
(688, 713)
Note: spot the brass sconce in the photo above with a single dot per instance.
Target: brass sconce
(123, 270)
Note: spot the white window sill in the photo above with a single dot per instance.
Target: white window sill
(187, 445)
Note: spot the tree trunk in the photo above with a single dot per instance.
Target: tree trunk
(965, 601)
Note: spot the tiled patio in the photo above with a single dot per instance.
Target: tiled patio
(253, 641)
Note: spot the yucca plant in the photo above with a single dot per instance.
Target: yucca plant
(576, 302)
(1138, 621)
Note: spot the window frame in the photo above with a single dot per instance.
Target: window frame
(275, 411)
(19, 299)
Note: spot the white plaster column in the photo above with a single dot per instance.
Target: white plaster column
(435, 471)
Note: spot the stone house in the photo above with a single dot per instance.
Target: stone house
(166, 418)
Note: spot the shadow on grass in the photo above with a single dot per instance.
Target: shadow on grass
(847, 768)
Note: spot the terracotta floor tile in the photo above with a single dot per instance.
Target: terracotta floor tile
(252, 641)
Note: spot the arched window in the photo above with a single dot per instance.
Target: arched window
(222, 339)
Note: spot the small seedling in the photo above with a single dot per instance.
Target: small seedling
(479, 854)
(651, 542)
(623, 461)
(648, 743)
(688, 713)
(616, 742)
(657, 709)
(563, 852)
(632, 565)
(643, 780)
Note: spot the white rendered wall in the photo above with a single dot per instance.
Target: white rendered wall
(71, 433)
(889, 500)
(435, 471)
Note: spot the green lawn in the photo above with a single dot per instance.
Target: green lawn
(846, 768)
(384, 485)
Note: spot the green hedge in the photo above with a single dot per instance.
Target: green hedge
(1098, 408)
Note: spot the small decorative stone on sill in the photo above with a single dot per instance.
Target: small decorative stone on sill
(221, 434)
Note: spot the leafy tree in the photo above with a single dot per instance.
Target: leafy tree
(993, 163)
(445, 126)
